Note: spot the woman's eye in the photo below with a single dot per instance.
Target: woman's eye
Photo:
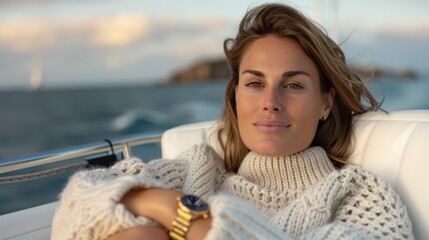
(254, 84)
(293, 86)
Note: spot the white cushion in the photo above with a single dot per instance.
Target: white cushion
(390, 145)
(176, 140)
(32, 224)
(393, 146)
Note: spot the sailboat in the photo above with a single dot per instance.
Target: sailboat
(36, 77)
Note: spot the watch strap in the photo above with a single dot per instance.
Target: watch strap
(181, 225)
(183, 220)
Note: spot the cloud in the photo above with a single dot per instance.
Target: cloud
(205, 46)
(120, 30)
(401, 28)
(15, 3)
(30, 3)
(175, 27)
(408, 30)
(23, 35)
(29, 34)
(399, 44)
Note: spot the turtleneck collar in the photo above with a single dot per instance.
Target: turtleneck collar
(279, 173)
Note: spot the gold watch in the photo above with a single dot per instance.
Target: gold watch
(189, 208)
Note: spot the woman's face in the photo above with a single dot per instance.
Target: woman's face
(278, 97)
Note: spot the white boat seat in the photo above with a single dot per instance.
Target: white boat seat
(28, 224)
(390, 145)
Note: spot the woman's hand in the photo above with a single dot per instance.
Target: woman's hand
(160, 205)
(155, 203)
(141, 233)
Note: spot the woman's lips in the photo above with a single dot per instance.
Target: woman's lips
(271, 125)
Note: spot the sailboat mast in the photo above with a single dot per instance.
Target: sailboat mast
(326, 13)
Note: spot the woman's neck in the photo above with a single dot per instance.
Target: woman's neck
(279, 173)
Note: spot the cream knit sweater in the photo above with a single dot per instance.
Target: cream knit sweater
(301, 196)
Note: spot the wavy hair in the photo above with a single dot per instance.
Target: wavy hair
(335, 134)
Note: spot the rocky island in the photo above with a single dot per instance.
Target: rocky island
(209, 70)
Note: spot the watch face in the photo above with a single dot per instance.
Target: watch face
(194, 203)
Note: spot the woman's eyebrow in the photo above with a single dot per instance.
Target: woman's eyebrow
(253, 72)
(294, 73)
(287, 74)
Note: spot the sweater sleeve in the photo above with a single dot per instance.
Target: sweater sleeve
(90, 207)
(373, 207)
(232, 218)
(357, 206)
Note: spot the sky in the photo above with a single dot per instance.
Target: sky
(78, 43)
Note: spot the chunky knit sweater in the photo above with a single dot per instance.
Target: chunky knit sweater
(301, 196)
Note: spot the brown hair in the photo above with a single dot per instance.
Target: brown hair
(336, 132)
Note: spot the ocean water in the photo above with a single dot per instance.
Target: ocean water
(45, 120)
(32, 122)
(401, 95)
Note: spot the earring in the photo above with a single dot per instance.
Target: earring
(323, 119)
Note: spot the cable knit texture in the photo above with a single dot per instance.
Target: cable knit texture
(301, 196)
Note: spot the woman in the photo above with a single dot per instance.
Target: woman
(286, 132)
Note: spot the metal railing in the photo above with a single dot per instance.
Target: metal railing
(121, 144)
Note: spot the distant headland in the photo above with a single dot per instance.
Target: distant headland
(208, 70)
(217, 69)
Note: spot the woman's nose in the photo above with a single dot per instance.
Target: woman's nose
(272, 102)
(272, 109)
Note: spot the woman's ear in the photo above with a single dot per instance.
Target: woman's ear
(329, 101)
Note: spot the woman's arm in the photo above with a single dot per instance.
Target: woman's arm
(160, 205)
(90, 205)
(141, 233)
(231, 218)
